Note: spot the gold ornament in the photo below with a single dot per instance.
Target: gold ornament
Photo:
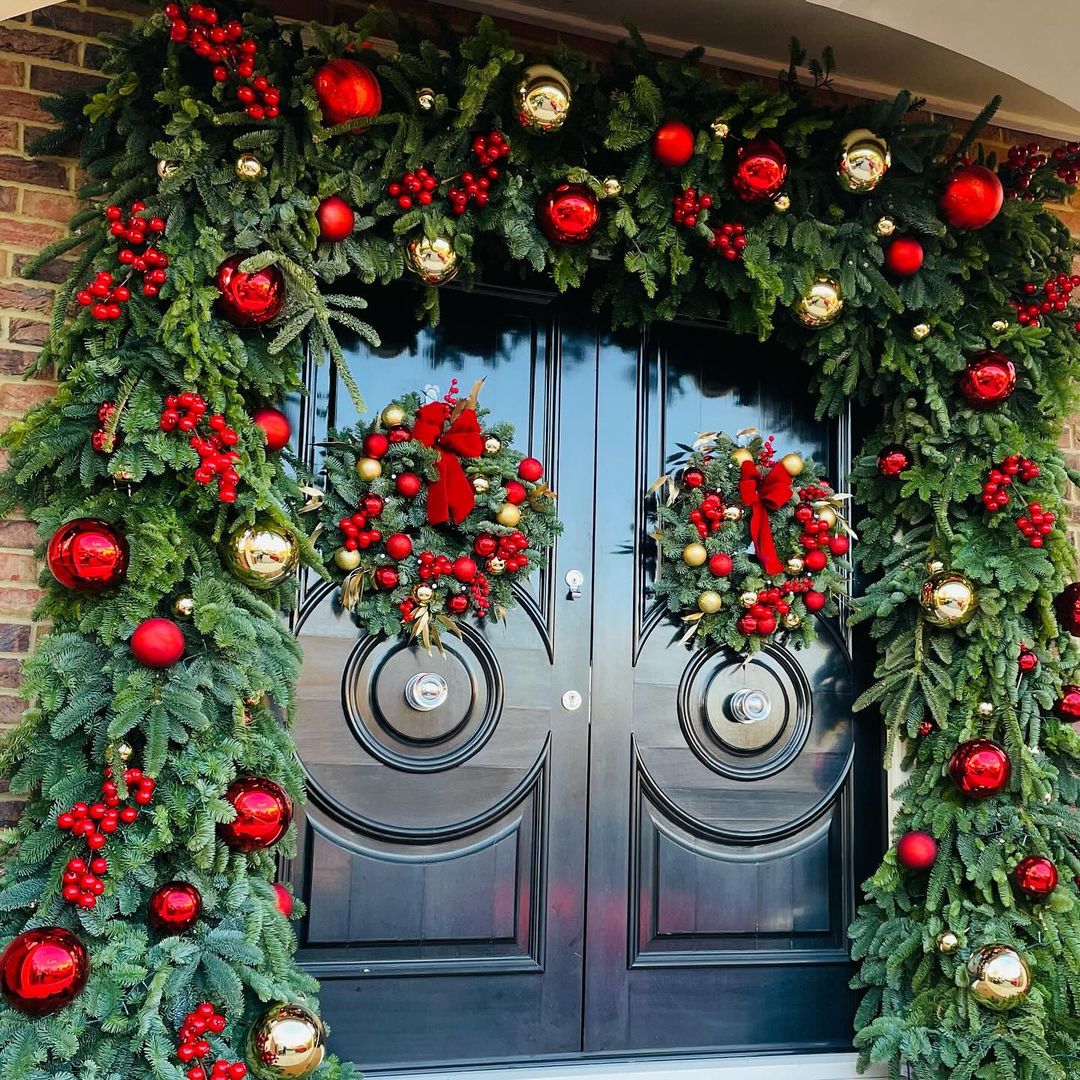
(480, 484)
(947, 942)
(612, 186)
(748, 599)
(542, 99)
(346, 560)
(492, 445)
(425, 98)
(999, 326)
(793, 464)
(423, 594)
(261, 555)
(248, 167)
(732, 513)
(694, 554)
(719, 129)
(434, 262)
(740, 455)
(828, 515)
(495, 565)
(782, 204)
(508, 515)
(920, 331)
(183, 607)
(288, 1042)
(885, 226)
(368, 468)
(165, 169)
(709, 602)
(393, 415)
(1000, 977)
(123, 751)
(864, 161)
(986, 709)
(791, 620)
(795, 564)
(947, 598)
(821, 305)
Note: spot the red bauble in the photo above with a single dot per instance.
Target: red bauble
(386, 577)
(157, 643)
(1036, 877)
(972, 198)
(916, 851)
(569, 214)
(43, 970)
(673, 144)
(814, 600)
(893, 460)
(693, 478)
(760, 170)
(375, 445)
(815, 560)
(336, 219)
(515, 493)
(485, 545)
(720, 564)
(399, 434)
(458, 603)
(988, 380)
(347, 90)
(1067, 606)
(87, 555)
(373, 505)
(980, 768)
(263, 813)
(398, 546)
(408, 484)
(275, 425)
(1067, 707)
(904, 257)
(530, 469)
(175, 907)
(284, 899)
(249, 299)
(464, 569)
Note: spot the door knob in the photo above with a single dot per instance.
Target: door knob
(426, 690)
(748, 706)
(574, 580)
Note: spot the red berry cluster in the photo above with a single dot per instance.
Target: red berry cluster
(101, 440)
(709, 516)
(82, 880)
(476, 185)
(995, 494)
(1027, 660)
(771, 603)
(688, 206)
(1057, 292)
(508, 549)
(193, 1047)
(421, 184)
(226, 47)
(1066, 162)
(184, 412)
(1023, 162)
(1036, 524)
(357, 534)
(103, 296)
(817, 539)
(729, 239)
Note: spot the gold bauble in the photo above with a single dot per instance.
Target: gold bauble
(612, 186)
(508, 515)
(492, 445)
(694, 554)
(123, 751)
(920, 331)
(542, 99)
(261, 555)
(346, 560)
(248, 167)
(480, 484)
(748, 599)
(795, 564)
(183, 607)
(709, 602)
(1000, 977)
(740, 455)
(287, 1043)
(791, 620)
(393, 415)
(434, 262)
(828, 515)
(165, 169)
(732, 513)
(948, 599)
(425, 98)
(947, 942)
(986, 709)
(864, 161)
(885, 226)
(423, 594)
(368, 468)
(999, 326)
(719, 129)
(782, 204)
(821, 305)
(793, 465)
(495, 565)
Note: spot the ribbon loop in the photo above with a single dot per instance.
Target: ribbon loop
(450, 498)
(764, 494)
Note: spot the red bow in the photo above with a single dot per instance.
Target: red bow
(762, 494)
(451, 497)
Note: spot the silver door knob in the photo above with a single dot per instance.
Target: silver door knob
(574, 580)
(426, 691)
(748, 706)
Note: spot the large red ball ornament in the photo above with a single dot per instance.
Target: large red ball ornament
(988, 380)
(284, 899)
(398, 546)
(157, 643)
(346, 91)
(43, 970)
(530, 469)
(263, 813)
(673, 144)
(1067, 606)
(972, 198)
(1036, 877)
(275, 425)
(249, 299)
(87, 555)
(894, 459)
(916, 850)
(760, 170)
(1067, 707)
(375, 445)
(336, 219)
(569, 214)
(464, 569)
(980, 768)
(904, 257)
(408, 485)
(175, 907)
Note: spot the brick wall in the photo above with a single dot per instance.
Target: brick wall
(41, 53)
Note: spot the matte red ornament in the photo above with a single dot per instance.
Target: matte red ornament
(157, 643)
(720, 564)
(398, 546)
(815, 560)
(284, 899)
(408, 484)
(760, 170)
(464, 569)
(569, 214)
(275, 425)
(174, 908)
(347, 90)
(904, 257)
(988, 380)
(43, 970)
(980, 768)
(530, 469)
(1067, 606)
(87, 555)
(263, 813)
(375, 445)
(673, 144)
(249, 299)
(336, 219)
(894, 459)
(972, 198)
(916, 851)
(515, 492)
(814, 600)
(1036, 877)
(1067, 707)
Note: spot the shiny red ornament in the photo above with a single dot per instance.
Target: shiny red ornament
(398, 546)
(275, 425)
(386, 577)
(408, 485)
(894, 459)
(43, 970)
(760, 170)
(157, 643)
(980, 768)
(347, 90)
(87, 555)
(1067, 606)
(249, 299)
(375, 445)
(988, 380)
(485, 545)
(1035, 877)
(972, 198)
(904, 257)
(174, 908)
(530, 469)
(1067, 707)
(916, 851)
(673, 144)
(458, 603)
(693, 478)
(1027, 660)
(263, 813)
(336, 219)
(569, 214)
(284, 899)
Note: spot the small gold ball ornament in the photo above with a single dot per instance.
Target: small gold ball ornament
(732, 513)
(986, 709)
(248, 167)
(782, 204)
(920, 331)
(828, 515)
(123, 751)
(740, 455)
(719, 129)
(795, 564)
(709, 602)
(821, 306)
(492, 445)
(793, 465)
(346, 560)
(948, 599)
(791, 620)
(885, 226)
(508, 515)
(542, 99)
(368, 468)
(748, 599)
(165, 169)
(495, 565)
(261, 555)
(612, 186)
(1000, 977)
(480, 484)
(434, 262)
(183, 607)
(287, 1043)
(694, 554)
(864, 161)
(425, 98)
(393, 415)
(999, 326)
(423, 594)
(947, 942)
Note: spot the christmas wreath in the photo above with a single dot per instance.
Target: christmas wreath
(431, 516)
(749, 546)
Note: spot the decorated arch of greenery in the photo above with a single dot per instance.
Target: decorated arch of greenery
(224, 137)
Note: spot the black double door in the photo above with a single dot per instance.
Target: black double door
(580, 851)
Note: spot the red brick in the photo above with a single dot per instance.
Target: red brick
(10, 673)
(15, 361)
(93, 56)
(24, 171)
(11, 710)
(14, 637)
(12, 73)
(131, 6)
(18, 397)
(54, 272)
(15, 232)
(18, 534)
(24, 106)
(10, 811)
(44, 204)
(54, 80)
(45, 46)
(9, 196)
(26, 298)
(9, 135)
(26, 332)
(16, 567)
(86, 23)
(19, 603)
